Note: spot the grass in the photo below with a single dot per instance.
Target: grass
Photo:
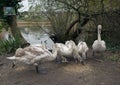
(113, 57)
(8, 46)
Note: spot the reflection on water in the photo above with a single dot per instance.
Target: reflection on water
(35, 35)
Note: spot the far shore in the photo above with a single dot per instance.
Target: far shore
(33, 23)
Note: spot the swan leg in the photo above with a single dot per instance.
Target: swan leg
(93, 54)
(13, 64)
(76, 59)
(58, 59)
(99, 59)
(102, 55)
(64, 59)
(36, 67)
(86, 55)
(37, 70)
(81, 60)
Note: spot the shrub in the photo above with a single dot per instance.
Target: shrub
(9, 46)
(114, 57)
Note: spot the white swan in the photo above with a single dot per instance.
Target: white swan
(67, 50)
(33, 55)
(99, 45)
(82, 49)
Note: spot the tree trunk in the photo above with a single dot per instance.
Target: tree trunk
(71, 25)
(76, 33)
(11, 20)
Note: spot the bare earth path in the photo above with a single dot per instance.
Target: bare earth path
(93, 73)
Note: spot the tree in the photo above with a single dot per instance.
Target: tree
(64, 15)
(88, 9)
(11, 19)
(58, 16)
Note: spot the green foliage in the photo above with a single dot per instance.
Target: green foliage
(112, 46)
(114, 57)
(3, 25)
(9, 46)
(112, 38)
(8, 3)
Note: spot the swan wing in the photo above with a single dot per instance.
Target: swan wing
(86, 47)
(103, 45)
(82, 47)
(33, 50)
(11, 58)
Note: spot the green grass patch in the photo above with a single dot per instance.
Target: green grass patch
(8, 46)
(114, 57)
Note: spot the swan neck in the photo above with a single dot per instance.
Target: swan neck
(99, 35)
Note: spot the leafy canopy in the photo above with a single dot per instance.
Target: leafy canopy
(8, 3)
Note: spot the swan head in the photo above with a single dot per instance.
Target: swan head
(67, 42)
(99, 28)
(71, 43)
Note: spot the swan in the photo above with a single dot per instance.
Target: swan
(68, 50)
(99, 45)
(32, 55)
(82, 49)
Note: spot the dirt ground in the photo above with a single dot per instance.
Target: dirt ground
(92, 73)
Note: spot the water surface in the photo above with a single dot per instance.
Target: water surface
(35, 35)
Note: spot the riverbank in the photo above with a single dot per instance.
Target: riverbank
(27, 23)
(94, 72)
